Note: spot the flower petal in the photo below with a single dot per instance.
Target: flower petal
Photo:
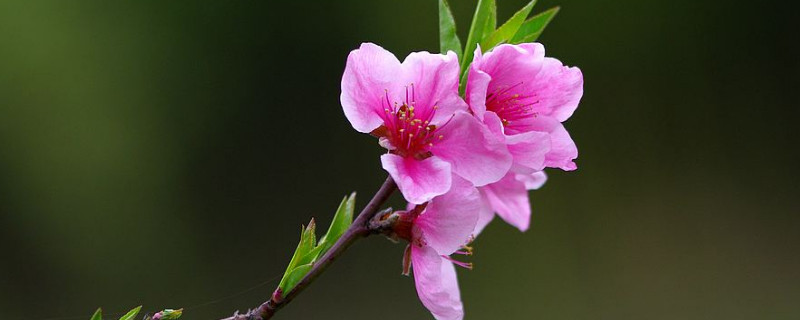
(553, 89)
(475, 152)
(528, 149)
(562, 149)
(558, 88)
(512, 65)
(477, 85)
(436, 283)
(486, 214)
(509, 198)
(435, 83)
(533, 181)
(370, 73)
(448, 221)
(418, 180)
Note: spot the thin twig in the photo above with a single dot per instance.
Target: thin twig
(356, 230)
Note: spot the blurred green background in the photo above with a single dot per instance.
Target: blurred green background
(165, 153)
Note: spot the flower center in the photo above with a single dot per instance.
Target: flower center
(509, 105)
(407, 128)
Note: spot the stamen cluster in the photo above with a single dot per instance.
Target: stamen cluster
(408, 132)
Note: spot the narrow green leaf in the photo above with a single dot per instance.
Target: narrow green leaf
(313, 255)
(98, 315)
(483, 11)
(533, 27)
(508, 29)
(288, 282)
(462, 87)
(491, 20)
(131, 314)
(341, 222)
(307, 243)
(448, 39)
(310, 237)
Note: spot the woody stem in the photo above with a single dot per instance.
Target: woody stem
(357, 230)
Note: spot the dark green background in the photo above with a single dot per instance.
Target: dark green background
(165, 153)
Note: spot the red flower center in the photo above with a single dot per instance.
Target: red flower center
(407, 129)
(509, 105)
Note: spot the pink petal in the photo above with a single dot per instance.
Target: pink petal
(533, 181)
(558, 88)
(435, 79)
(418, 180)
(474, 152)
(530, 181)
(509, 199)
(369, 73)
(512, 66)
(554, 88)
(477, 85)
(436, 283)
(562, 149)
(448, 220)
(486, 214)
(528, 149)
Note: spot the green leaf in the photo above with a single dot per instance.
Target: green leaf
(312, 255)
(491, 20)
(448, 39)
(308, 250)
(341, 221)
(463, 83)
(307, 243)
(288, 282)
(508, 29)
(480, 21)
(98, 315)
(310, 236)
(533, 27)
(131, 314)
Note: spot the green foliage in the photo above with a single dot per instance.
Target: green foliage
(448, 39)
(341, 221)
(308, 250)
(484, 32)
(294, 276)
(533, 27)
(98, 315)
(131, 314)
(508, 29)
(481, 23)
(308, 241)
(491, 20)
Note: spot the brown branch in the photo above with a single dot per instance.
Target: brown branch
(357, 230)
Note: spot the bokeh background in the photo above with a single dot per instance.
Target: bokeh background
(165, 153)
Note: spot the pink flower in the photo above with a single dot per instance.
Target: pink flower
(509, 199)
(436, 230)
(414, 109)
(520, 93)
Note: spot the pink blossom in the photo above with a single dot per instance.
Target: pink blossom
(414, 109)
(509, 199)
(520, 93)
(436, 230)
